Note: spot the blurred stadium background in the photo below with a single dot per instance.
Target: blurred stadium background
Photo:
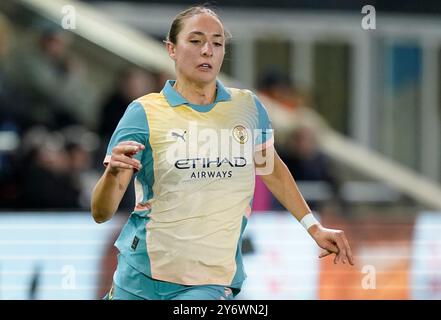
(356, 115)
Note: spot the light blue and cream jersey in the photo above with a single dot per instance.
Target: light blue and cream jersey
(196, 185)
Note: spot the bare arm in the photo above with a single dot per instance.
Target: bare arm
(112, 185)
(282, 185)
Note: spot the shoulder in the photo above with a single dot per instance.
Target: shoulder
(244, 95)
(135, 115)
(240, 93)
(151, 98)
(251, 96)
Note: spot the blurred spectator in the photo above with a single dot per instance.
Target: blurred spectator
(132, 84)
(53, 165)
(80, 145)
(56, 170)
(310, 167)
(45, 175)
(278, 85)
(54, 79)
(12, 121)
(5, 30)
(12, 100)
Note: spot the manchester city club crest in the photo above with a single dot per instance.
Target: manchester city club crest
(240, 133)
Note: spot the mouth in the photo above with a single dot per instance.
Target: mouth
(205, 66)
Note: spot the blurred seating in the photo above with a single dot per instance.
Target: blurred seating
(308, 164)
(53, 78)
(132, 83)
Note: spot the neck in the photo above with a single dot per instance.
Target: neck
(196, 94)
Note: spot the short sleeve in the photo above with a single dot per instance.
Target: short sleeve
(264, 136)
(133, 126)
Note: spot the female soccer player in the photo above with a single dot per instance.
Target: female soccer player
(194, 149)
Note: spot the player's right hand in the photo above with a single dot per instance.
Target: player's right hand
(122, 156)
(333, 242)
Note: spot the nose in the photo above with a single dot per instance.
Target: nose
(207, 50)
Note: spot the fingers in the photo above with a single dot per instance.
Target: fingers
(330, 248)
(124, 162)
(129, 148)
(328, 252)
(132, 143)
(345, 253)
(121, 165)
(122, 156)
(348, 250)
(341, 256)
(325, 254)
(336, 242)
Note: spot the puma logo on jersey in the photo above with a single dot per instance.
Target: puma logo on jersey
(177, 135)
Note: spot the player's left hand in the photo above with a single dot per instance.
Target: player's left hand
(333, 242)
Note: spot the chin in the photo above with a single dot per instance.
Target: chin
(204, 80)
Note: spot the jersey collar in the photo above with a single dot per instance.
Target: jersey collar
(175, 99)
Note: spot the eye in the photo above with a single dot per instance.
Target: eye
(195, 41)
(218, 44)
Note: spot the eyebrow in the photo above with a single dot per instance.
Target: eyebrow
(199, 33)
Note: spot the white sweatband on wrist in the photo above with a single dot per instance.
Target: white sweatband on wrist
(308, 221)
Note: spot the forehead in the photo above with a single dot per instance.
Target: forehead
(203, 23)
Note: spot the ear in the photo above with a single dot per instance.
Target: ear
(171, 49)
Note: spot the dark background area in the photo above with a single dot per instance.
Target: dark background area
(388, 6)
